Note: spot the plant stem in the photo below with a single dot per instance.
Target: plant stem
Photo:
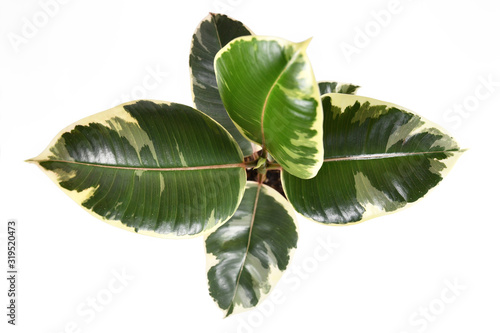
(264, 153)
(273, 166)
(261, 178)
(261, 154)
(251, 164)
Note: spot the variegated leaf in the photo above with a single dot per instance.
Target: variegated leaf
(328, 87)
(269, 90)
(156, 168)
(213, 33)
(379, 157)
(248, 254)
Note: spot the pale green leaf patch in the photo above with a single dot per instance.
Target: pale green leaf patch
(269, 90)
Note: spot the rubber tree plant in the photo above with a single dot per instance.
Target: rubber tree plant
(169, 170)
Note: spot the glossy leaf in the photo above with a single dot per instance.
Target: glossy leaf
(269, 90)
(248, 254)
(213, 33)
(156, 168)
(379, 157)
(327, 87)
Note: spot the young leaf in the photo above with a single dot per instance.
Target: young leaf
(156, 168)
(269, 90)
(248, 254)
(213, 33)
(379, 157)
(337, 87)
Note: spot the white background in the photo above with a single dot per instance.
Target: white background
(91, 55)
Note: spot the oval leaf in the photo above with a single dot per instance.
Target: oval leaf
(156, 168)
(378, 158)
(248, 254)
(269, 90)
(213, 33)
(328, 87)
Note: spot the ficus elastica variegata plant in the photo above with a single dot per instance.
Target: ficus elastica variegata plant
(263, 142)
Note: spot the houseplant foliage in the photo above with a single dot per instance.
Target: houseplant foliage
(173, 171)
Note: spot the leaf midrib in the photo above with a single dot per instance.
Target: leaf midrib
(202, 167)
(259, 187)
(213, 21)
(264, 107)
(386, 155)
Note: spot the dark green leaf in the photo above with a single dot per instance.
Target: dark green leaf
(156, 168)
(213, 33)
(379, 157)
(248, 254)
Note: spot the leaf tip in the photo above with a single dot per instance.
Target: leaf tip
(305, 44)
(31, 160)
